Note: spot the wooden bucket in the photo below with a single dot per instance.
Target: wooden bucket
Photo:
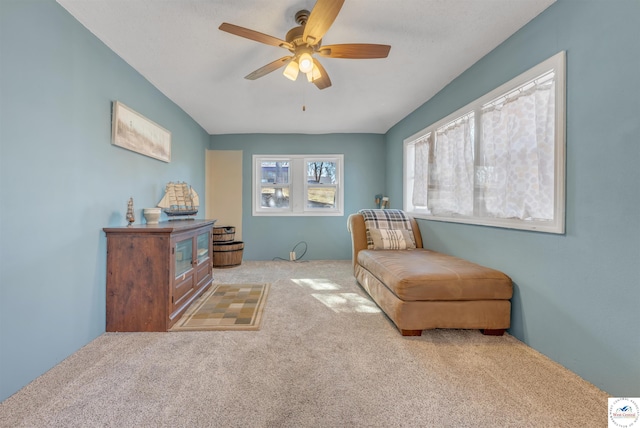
(223, 234)
(227, 254)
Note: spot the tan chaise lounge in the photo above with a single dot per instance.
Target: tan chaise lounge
(420, 289)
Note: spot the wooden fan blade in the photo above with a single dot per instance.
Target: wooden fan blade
(323, 81)
(254, 35)
(272, 66)
(355, 51)
(320, 19)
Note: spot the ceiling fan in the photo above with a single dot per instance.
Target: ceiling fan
(304, 41)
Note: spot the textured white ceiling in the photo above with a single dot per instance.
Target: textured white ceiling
(177, 46)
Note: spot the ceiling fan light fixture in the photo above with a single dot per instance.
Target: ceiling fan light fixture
(291, 71)
(305, 62)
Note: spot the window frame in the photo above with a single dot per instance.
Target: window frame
(557, 64)
(298, 185)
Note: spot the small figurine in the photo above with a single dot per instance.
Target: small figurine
(378, 200)
(130, 216)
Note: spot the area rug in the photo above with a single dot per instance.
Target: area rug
(226, 307)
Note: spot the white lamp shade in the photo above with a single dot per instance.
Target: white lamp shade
(314, 73)
(291, 71)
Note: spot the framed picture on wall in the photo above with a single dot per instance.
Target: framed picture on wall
(132, 131)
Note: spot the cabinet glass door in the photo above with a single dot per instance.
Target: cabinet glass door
(203, 246)
(184, 255)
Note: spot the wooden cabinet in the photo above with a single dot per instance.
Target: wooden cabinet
(154, 271)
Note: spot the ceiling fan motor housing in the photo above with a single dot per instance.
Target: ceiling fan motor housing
(294, 36)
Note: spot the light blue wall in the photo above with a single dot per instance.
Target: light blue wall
(577, 296)
(326, 237)
(61, 181)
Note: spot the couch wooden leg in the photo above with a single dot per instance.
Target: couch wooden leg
(411, 332)
(490, 332)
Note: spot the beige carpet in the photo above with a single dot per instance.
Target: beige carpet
(325, 356)
(225, 307)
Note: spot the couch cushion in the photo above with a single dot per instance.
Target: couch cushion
(427, 275)
(391, 239)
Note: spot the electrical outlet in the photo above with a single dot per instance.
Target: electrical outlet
(292, 256)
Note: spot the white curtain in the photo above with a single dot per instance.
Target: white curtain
(517, 145)
(452, 171)
(421, 172)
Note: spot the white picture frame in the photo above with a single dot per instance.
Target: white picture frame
(132, 131)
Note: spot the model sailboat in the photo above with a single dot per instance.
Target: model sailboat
(179, 200)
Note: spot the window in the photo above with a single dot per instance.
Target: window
(298, 185)
(499, 161)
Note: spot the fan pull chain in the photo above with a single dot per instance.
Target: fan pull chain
(304, 107)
